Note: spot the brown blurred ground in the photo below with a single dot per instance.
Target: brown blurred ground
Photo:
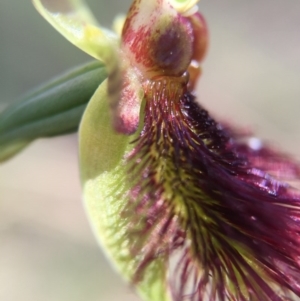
(251, 77)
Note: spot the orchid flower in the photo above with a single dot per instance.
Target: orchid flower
(185, 208)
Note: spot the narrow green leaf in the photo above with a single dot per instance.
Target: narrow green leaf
(54, 109)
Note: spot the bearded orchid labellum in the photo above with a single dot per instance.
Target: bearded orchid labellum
(186, 208)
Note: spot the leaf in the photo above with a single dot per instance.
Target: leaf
(52, 110)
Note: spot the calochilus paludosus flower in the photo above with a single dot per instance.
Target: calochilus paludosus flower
(185, 207)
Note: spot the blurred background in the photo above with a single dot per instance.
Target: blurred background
(251, 77)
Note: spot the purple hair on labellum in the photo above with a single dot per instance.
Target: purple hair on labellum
(212, 202)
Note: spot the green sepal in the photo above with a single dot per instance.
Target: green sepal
(52, 110)
(104, 177)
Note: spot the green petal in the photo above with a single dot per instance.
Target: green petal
(184, 6)
(54, 109)
(74, 20)
(118, 24)
(103, 175)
